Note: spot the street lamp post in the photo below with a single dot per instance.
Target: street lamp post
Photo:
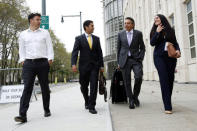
(43, 7)
(62, 19)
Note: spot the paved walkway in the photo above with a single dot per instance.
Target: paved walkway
(68, 113)
(150, 116)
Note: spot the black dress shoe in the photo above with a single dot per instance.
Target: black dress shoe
(21, 119)
(131, 104)
(47, 113)
(93, 111)
(137, 102)
(86, 107)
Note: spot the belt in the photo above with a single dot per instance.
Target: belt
(130, 57)
(37, 60)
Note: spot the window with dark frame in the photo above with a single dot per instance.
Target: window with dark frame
(191, 29)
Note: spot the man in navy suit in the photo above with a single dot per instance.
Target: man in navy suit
(90, 62)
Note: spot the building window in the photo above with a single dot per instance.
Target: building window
(113, 24)
(191, 29)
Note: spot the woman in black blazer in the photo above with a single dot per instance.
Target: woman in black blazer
(161, 33)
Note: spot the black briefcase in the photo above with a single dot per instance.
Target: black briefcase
(117, 91)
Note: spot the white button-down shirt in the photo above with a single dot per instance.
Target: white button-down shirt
(131, 34)
(35, 44)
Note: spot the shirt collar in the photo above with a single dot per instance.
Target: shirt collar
(130, 31)
(87, 34)
(34, 30)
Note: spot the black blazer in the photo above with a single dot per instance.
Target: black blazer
(137, 47)
(87, 56)
(159, 42)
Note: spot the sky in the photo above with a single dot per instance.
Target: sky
(67, 31)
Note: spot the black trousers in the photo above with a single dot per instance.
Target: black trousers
(136, 66)
(31, 69)
(87, 76)
(166, 68)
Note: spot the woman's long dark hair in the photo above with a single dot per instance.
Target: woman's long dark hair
(168, 31)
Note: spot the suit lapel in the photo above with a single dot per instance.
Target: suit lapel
(125, 37)
(93, 42)
(86, 41)
(134, 37)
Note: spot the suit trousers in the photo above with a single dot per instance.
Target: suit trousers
(166, 68)
(32, 69)
(136, 66)
(87, 76)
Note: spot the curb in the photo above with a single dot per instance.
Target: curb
(109, 121)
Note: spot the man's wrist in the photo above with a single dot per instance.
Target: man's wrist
(21, 60)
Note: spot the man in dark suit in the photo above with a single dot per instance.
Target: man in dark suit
(131, 50)
(90, 62)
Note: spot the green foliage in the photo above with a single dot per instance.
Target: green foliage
(61, 66)
(13, 20)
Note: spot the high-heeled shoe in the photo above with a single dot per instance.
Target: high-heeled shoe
(168, 112)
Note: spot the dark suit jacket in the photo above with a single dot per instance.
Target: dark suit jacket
(87, 56)
(159, 42)
(137, 47)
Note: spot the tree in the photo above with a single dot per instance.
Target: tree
(12, 21)
(61, 66)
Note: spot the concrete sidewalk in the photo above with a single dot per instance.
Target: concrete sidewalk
(150, 116)
(68, 114)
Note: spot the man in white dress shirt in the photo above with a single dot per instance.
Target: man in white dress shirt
(36, 56)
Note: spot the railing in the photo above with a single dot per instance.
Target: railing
(10, 76)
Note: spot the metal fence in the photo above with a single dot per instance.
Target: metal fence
(13, 76)
(10, 76)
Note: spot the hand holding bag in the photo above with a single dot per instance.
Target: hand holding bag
(171, 50)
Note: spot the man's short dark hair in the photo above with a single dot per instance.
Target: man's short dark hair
(87, 23)
(131, 19)
(32, 15)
